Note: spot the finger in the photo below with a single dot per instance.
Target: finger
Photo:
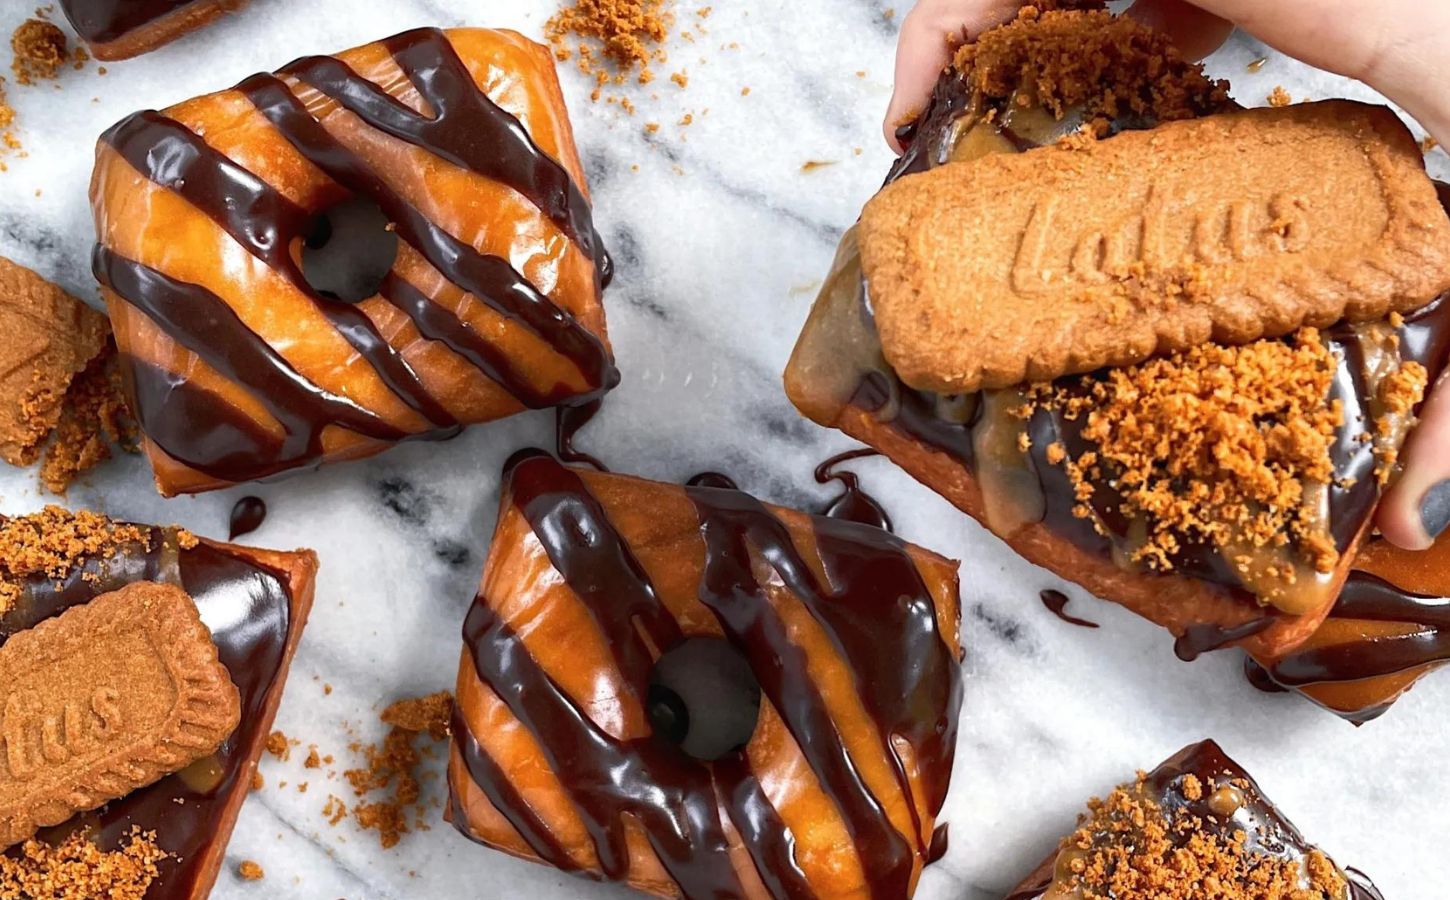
(1194, 31)
(1417, 509)
(928, 34)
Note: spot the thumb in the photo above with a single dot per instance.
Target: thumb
(1417, 509)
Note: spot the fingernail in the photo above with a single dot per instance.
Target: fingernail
(1435, 509)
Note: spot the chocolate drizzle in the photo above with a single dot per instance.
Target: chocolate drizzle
(854, 504)
(908, 684)
(247, 606)
(468, 129)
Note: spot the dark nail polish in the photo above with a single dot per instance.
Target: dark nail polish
(1435, 508)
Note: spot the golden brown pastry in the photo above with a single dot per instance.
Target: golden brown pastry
(254, 604)
(699, 695)
(1221, 491)
(385, 245)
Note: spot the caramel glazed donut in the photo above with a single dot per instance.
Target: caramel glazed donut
(700, 695)
(385, 245)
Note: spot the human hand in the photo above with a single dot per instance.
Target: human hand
(1398, 47)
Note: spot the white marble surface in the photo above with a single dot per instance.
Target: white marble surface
(721, 239)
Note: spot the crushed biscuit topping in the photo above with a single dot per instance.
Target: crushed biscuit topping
(1215, 444)
(78, 868)
(1058, 56)
(1127, 847)
(52, 542)
(40, 50)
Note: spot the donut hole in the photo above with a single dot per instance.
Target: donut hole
(703, 698)
(348, 250)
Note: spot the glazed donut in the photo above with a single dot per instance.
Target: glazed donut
(385, 245)
(700, 695)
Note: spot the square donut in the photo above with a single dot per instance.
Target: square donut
(388, 244)
(120, 29)
(1050, 467)
(254, 603)
(1198, 818)
(697, 694)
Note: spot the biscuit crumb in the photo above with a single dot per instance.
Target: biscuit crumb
(1129, 846)
(77, 867)
(1280, 97)
(393, 766)
(1429, 144)
(250, 871)
(279, 745)
(94, 418)
(40, 50)
(52, 542)
(1059, 57)
(1213, 444)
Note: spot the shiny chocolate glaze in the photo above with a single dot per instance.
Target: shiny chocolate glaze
(876, 609)
(1266, 831)
(248, 607)
(103, 21)
(1034, 490)
(468, 129)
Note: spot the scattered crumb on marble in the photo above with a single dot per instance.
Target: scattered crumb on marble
(250, 871)
(1280, 97)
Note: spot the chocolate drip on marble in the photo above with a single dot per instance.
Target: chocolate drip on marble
(568, 422)
(672, 795)
(247, 606)
(1056, 603)
(103, 21)
(247, 516)
(854, 504)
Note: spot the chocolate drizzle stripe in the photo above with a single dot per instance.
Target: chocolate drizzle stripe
(490, 279)
(203, 323)
(917, 700)
(670, 795)
(264, 222)
(436, 323)
(501, 793)
(467, 128)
